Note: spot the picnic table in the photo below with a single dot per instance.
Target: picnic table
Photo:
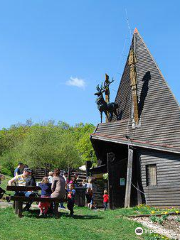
(18, 200)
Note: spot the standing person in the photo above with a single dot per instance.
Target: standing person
(19, 169)
(50, 177)
(89, 183)
(105, 199)
(65, 176)
(89, 195)
(61, 203)
(45, 193)
(75, 180)
(71, 199)
(84, 184)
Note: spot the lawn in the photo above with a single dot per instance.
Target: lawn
(86, 224)
(4, 184)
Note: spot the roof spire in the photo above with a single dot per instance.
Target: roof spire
(135, 30)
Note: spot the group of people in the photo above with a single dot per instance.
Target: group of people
(53, 186)
(56, 185)
(90, 199)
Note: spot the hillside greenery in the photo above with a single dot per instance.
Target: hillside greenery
(36, 145)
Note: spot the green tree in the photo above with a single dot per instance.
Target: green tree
(59, 144)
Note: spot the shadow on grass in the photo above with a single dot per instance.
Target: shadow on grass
(35, 214)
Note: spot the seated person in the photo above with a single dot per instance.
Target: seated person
(58, 185)
(21, 180)
(30, 181)
(45, 193)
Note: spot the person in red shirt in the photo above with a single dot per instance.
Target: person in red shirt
(105, 199)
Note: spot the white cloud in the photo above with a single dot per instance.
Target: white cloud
(76, 82)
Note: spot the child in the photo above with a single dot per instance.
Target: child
(45, 193)
(105, 199)
(71, 198)
(89, 197)
(50, 177)
(84, 183)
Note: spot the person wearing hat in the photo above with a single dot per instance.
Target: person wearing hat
(20, 180)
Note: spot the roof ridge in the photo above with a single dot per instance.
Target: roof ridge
(157, 68)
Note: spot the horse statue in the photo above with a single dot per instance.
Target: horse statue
(108, 108)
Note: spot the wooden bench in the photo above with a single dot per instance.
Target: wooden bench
(18, 200)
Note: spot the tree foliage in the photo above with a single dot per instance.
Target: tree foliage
(60, 145)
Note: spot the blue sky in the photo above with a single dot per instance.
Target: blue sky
(54, 53)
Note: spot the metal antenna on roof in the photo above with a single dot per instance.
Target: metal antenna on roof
(124, 45)
(127, 20)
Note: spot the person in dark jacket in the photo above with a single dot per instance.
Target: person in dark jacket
(30, 181)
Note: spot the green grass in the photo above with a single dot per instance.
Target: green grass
(5, 182)
(86, 224)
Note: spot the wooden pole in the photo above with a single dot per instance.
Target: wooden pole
(109, 186)
(129, 178)
(133, 77)
(107, 93)
(110, 157)
(107, 90)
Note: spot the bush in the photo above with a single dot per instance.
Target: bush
(6, 171)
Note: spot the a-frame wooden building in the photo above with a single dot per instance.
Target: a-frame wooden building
(141, 149)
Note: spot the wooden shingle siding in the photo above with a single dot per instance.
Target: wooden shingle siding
(160, 118)
(167, 190)
(124, 90)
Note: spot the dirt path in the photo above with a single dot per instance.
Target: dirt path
(4, 204)
(170, 228)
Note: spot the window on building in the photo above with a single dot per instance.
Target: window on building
(151, 175)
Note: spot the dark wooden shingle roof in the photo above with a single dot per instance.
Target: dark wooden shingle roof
(159, 112)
